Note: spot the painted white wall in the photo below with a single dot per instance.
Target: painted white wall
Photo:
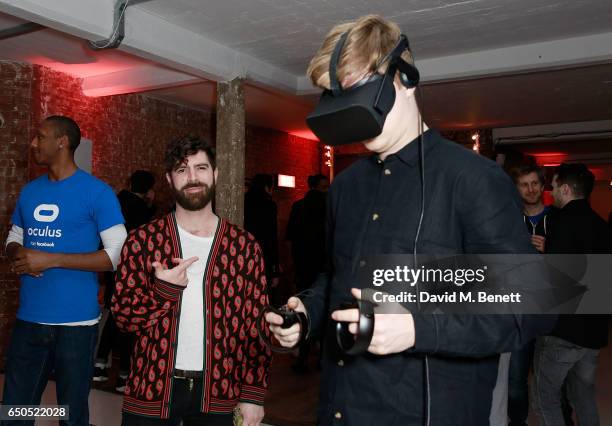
(83, 155)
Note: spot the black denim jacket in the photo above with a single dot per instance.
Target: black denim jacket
(471, 206)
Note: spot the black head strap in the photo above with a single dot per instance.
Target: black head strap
(396, 52)
(409, 74)
(334, 84)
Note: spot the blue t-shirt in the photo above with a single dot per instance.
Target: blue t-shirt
(66, 216)
(535, 219)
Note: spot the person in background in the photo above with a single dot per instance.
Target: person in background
(261, 220)
(306, 232)
(137, 208)
(57, 226)
(137, 203)
(567, 357)
(529, 181)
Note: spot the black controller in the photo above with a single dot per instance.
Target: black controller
(290, 317)
(356, 344)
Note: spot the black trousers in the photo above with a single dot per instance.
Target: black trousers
(185, 407)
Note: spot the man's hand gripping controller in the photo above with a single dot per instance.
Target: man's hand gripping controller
(290, 317)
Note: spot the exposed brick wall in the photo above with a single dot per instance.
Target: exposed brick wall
(15, 100)
(129, 132)
(273, 152)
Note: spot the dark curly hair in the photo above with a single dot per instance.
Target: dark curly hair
(179, 149)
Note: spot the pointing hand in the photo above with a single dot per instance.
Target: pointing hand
(176, 275)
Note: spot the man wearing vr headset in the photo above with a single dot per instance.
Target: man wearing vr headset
(417, 193)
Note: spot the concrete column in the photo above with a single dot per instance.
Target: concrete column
(229, 199)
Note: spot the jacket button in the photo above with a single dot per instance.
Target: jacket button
(375, 216)
(387, 172)
(362, 263)
(341, 363)
(338, 415)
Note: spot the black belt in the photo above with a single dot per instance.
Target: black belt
(188, 374)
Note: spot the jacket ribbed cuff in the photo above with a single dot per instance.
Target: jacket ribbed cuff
(166, 290)
(252, 394)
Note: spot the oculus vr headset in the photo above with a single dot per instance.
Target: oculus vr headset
(358, 113)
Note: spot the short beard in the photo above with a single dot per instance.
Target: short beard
(197, 201)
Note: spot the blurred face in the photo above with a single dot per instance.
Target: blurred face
(530, 188)
(45, 146)
(193, 182)
(150, 196)
(323, 185)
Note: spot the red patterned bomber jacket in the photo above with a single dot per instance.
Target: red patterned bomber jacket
(236, 360)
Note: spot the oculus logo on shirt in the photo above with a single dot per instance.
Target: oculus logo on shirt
(46, 213)
(44, 208)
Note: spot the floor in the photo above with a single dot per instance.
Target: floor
(292, 397)
(291, 400)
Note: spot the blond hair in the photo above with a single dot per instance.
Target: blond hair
(369, 39)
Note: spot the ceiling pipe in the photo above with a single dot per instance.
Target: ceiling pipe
(18, 30)
(118, 26)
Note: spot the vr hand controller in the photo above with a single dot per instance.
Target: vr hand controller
(290, 317)
(359, 343)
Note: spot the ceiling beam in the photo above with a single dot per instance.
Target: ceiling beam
(84, 19)
(137, 79)
(542, 133)
(18, 30)
(152, 38)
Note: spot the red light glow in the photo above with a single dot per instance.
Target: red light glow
(305, 134)
(549, 159)
(601, 174)
(547, 198)
(546, 154)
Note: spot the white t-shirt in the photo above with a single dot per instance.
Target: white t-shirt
(190, 349)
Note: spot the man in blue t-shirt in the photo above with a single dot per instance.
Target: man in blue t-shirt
(58, 223)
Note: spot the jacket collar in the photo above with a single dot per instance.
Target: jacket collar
(170, 220)
(578, 204)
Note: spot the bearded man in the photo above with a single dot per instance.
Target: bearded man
(192, 287)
